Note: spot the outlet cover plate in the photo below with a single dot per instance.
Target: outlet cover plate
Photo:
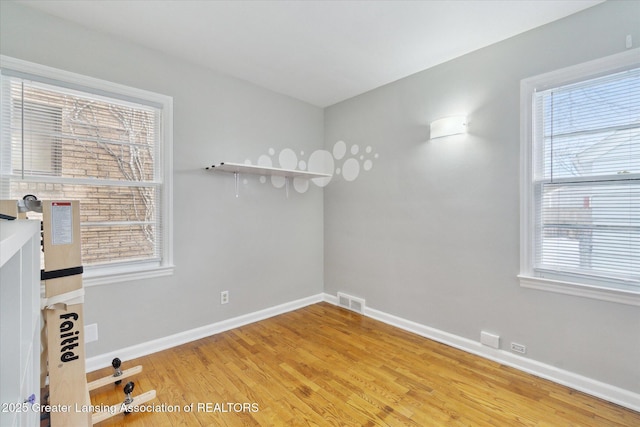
(489, 339)
(91, 333)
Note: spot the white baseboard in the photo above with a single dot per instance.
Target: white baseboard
(149, 347)
(581, 383)
(587, 385)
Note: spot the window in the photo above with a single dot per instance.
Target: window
(66, 136)
(580, 231)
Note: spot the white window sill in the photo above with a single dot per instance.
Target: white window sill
(107, 275)
(587, 291)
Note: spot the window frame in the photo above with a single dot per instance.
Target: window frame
(528, 88)
(106, 274)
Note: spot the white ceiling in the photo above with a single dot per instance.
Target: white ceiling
(321, 52)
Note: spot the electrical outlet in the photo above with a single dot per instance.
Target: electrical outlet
(224, 297)
(518, 348)
(489, 339)
(91, 333)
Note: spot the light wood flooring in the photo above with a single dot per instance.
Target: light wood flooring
(326, 366)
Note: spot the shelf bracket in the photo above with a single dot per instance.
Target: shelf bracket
(236, 175)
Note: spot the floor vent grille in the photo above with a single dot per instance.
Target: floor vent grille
(351, 302)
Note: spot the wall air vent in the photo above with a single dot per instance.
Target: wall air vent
(350, 302)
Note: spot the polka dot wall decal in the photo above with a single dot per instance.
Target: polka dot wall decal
(339, 150)
(350, 169)
(300, 184)
(288, 159)
(278, 181)
(321, 161)
(265, 161)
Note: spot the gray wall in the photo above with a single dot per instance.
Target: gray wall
(431, 233)
(262, 247)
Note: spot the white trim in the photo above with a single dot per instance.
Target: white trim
(581, 290)
(574, 73)
(80, 80)
(166, 207)
(526, 175)
(108, 275)
(149, 347)
(584, 384)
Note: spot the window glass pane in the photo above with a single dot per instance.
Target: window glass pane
(591, 229)
(591, 128)
(36, 146)
(80, 137)
(102, 160)
(599, 153)
(603, 102)
(107, 244)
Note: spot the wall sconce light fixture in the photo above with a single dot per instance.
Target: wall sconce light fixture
(448, 126)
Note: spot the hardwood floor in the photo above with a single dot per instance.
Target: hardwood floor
(323, 365)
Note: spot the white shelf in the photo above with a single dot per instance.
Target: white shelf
(263, 170)
(20, 320)
(13, 236)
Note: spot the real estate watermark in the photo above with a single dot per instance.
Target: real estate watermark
(201, 407)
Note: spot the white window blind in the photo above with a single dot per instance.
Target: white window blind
(65, 141)
(586, 181)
